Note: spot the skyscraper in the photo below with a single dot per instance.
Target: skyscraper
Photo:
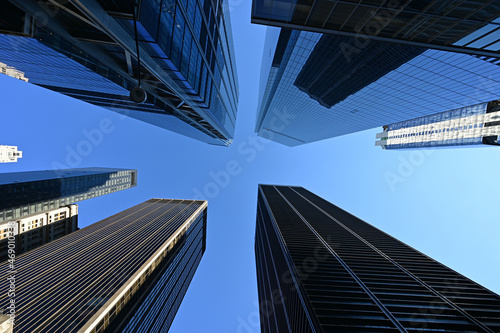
(126, 273)
(35, 230)
(31, 192)
(9, 154)
(448, 25)
(321, 269)
(324, 91)
(474, 125)
(87, 50)
(11, 71)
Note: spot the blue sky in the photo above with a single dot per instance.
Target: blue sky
(442, 202)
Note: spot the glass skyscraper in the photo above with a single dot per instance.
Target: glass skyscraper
(470, 126)
(87, 50)
(126, 273)
(321, 269)
(30, 192)
(462, 26)
(323, 92)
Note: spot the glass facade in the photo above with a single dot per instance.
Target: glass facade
(186, 59)
(119, 272)
(31, 192)
(469, 26)
(312, 89)
(473, 125)
(321, 269)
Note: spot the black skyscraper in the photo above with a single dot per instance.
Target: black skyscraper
(449, 25)
(126, 273)
(321, 269)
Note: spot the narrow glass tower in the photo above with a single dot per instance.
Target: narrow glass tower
(321, 269)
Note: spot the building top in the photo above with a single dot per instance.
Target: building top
(11, 71)
(9, 154)
(32, 176)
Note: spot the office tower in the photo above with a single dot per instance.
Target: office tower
(9, 154)
(316, 86)
(448, 25)
(31, 192)
(473, 125)
(87, 50)
(11, 71)
(35, 230)
(126, 273)
(321, 269)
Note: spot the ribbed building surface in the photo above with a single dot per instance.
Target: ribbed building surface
(321, 269)
(126, 273)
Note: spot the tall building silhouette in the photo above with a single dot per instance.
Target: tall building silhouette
(319, 83)
(475, 125)
(31, 192)
(321, 269)
(126, 273)
(87, 50)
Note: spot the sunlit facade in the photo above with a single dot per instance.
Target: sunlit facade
(87, 50)
(9, 154)
(475, 125)
(11, 71)
(36, 230)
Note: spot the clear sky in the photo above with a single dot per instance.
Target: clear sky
(442, 202)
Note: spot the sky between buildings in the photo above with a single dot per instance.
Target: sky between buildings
(442, 202)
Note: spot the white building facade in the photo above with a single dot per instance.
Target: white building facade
(9, 154)
(473, 125)
(35, 230)
(11, 71)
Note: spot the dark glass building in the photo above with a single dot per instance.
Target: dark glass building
(87, 50)
(321, 269)
(126, 273)
(30, 192)
(462, 26)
